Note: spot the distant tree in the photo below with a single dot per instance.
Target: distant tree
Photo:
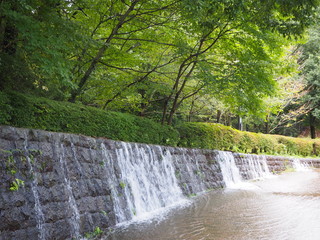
(234, 49)
(310, 64)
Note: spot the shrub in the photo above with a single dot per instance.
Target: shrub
(316, 147)
(26, 111)
(5, 108)
(31, 112)
(217, 136)
(211, 136)
(266, 143)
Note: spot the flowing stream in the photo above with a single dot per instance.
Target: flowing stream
(299, 166)
(285, 207)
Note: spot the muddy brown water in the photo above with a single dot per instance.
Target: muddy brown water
(285, 207)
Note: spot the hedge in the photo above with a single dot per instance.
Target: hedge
(217, 136)
(27, 111)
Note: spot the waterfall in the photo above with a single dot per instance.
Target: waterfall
(111, 179)
(34, 187)
(255, 166)
(252, 167)
(74, 184)
(230, 171)
(75, 218)
(143, 180)
(298, 165)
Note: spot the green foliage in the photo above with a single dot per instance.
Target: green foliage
(31, 112)
(36, 40)
(104, 53)
(217, 136)
(122, 185)
(16, 184)
(211, 136)
(5, 108)
(310, 64)
(104, 213)
(93, 235)
(192, 195)
(248, 44)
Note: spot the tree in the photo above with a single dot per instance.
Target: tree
(310, 72)
(233, 49)
(36, 40)
(120, 28)
(151, 58)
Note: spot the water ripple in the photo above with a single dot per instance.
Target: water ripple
(282, 208)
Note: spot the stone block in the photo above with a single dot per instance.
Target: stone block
(16, 218)
(59, 230)
(56, 211)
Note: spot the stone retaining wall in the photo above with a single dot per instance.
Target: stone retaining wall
(65, 168)
(60, 187)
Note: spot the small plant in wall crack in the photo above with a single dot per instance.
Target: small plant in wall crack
(13, 173)
(192, 195)
(93, 235)
(16, 184)
(122, 185)
(104, 213)
(11, 165)
(200, 174)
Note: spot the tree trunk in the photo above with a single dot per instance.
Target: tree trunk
(164, 112)
(219, 113)
(228, 120)
(101, 52)
(267, 126)
(240, 124)
(312, 120)
(9, 33)
(191, 111)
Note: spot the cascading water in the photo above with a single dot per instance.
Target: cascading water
(230, 171)
(75, 218)
(143, 180)
(299, 165)
(252, 167)
(37, 204)
(79, 183)
(255, 166)
(113, 182)
(199, 183)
